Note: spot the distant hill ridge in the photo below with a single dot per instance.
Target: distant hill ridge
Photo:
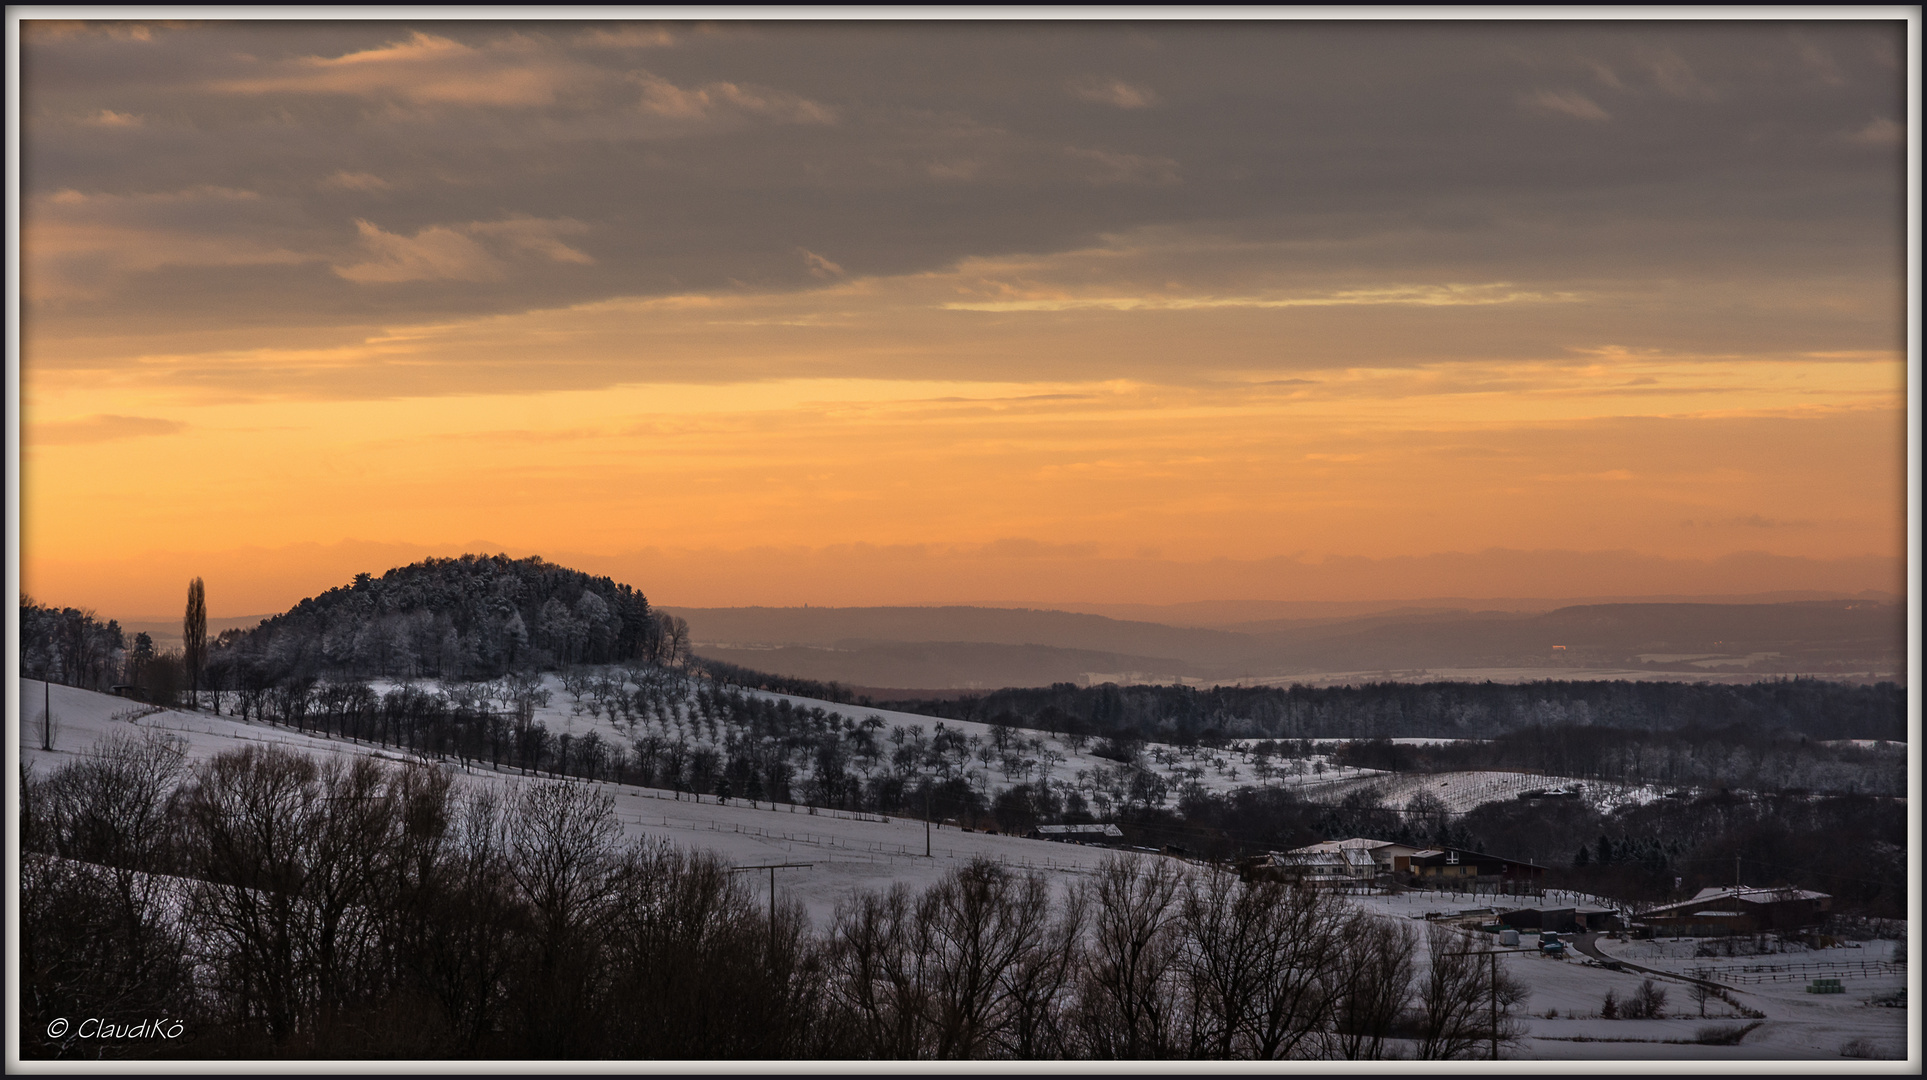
(962, 647)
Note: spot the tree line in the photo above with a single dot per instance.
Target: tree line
(270, 905)
(1733, 756)
(1853, 847)
(1815, 708)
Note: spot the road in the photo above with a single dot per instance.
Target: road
(1585, 944)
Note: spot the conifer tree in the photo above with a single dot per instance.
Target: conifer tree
(194, 637)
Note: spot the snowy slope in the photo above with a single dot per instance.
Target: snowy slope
(845, 850)
(848, 851)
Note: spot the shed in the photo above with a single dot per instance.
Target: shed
(1101, 833)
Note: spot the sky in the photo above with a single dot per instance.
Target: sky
(848, 313)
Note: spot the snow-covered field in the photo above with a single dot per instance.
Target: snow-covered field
(1796, 1025)
(847, 851)
(1462, 791)
(1028, 756)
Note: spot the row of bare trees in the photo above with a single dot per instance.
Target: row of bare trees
(279, 906)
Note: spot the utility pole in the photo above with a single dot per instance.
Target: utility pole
(772, 868)
(1737, 883)
(1494, 958)
(926, 822)
(47, 717)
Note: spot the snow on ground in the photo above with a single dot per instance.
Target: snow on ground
(1462, 791)
(1032, 754)
(1216, 770)
(1797, 1025)
(847, 851)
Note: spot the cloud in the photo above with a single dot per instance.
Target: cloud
(819, 266)
(1880, 131)
(716, 99)
(1604, 73)
(1674, 76)
(36, 31)
(976, 146)
(1403, 295)
(356, 181)
(452, 253)
(1821, 64)
(1115, 92)
(1110, 167)
(434, 253)
(517, 70)
(537, 236)
(108, 118)
(1569, 103)
(100, 428)
(74, 242)
(626, 37)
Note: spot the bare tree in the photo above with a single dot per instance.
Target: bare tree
(1224, 963)
(974, 967)
(1372, 983)
(1041, 983)
(978, 925)
(1460, 995)
(1127, 997)
(1700, 990)
(561, 847)
(877, 985)
(247, 812)
(101, 932)
(698, 969)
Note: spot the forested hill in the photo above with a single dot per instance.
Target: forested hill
(477, 616)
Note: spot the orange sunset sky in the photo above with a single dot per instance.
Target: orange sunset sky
(985, 313)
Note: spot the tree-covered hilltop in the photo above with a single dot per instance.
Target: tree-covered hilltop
(473, 617)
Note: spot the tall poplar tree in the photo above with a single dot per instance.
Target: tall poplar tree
(194, 637)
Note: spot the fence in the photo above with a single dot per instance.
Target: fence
(1776, 973)
(845, 849)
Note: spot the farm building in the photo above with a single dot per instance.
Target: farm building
(1079, 834)
(1343, 866)
(1738, 910)
(1443, 865)
(1562, 920)
(1387, 856)
(1358, 860)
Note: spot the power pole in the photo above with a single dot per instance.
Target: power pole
(772, 868)
(926, 822)
(1494, 958)
(1737, 883)
(47, 717)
